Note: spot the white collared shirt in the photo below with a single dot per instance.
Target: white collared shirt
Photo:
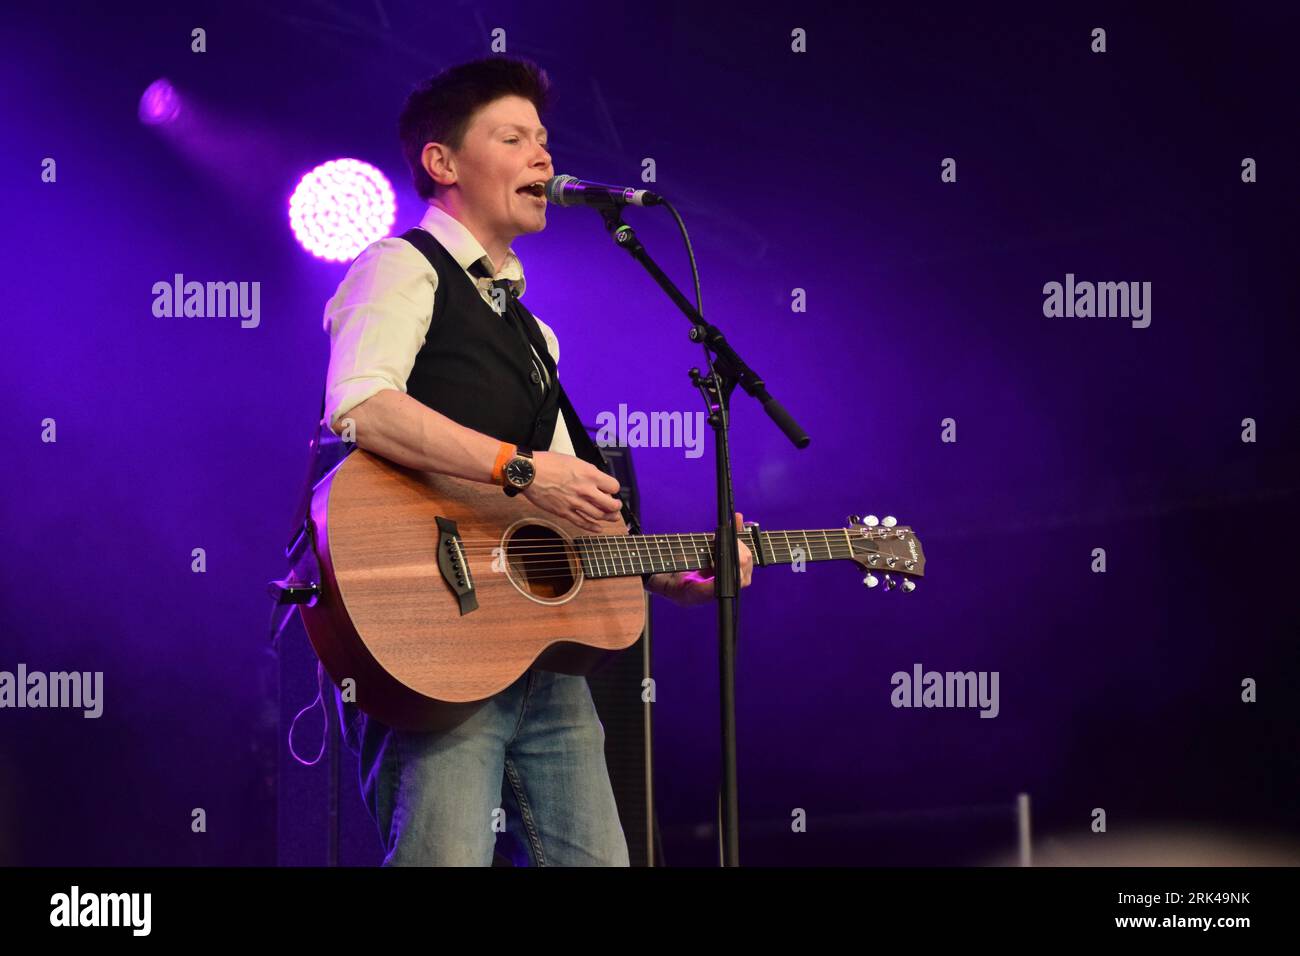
(378, 319)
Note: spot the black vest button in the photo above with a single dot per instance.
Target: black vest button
(535, 377)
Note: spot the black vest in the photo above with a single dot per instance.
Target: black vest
(475, 368)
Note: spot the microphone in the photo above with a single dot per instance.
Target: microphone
(570, 191)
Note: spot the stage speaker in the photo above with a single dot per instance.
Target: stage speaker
(617, 690)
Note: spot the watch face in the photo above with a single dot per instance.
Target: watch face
(519, 472)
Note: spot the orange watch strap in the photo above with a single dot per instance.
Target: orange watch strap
(498, 468)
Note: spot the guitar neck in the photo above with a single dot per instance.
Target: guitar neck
(607, 556)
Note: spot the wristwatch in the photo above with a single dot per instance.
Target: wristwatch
(518, 472)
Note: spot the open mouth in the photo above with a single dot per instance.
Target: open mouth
(536, 190)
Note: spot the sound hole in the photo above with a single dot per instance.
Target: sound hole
(541, 562)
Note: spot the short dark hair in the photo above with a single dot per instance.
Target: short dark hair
(439, 109)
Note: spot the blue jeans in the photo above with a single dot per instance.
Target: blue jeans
(530, 763)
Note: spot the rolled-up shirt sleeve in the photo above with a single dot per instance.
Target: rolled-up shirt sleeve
(377, 322)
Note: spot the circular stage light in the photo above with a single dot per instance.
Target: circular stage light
(160, 103)
(340, 207)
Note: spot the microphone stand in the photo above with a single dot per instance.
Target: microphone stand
(726, 370)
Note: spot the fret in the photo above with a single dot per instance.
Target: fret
(681, 544)
(658, 560)
(636, 556)
(608, 553)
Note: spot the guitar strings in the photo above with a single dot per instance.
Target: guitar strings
(598, 575)
(659, 540)
(598, 563)
(598, 551)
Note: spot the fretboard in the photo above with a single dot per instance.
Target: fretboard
(612, 555)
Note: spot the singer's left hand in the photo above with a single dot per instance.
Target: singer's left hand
(691, 588)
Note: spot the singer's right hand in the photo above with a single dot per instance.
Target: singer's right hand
(574, 490)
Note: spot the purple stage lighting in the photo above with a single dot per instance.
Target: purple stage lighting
(340, 207)
(160, 103)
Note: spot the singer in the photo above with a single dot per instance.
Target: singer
(436, 364)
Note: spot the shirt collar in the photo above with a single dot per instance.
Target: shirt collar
(466, 250)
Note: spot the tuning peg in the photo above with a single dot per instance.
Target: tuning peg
(854, 519)
(871, 580)
(871, 521)
(890, 583)
(908, 586)
(889, 521)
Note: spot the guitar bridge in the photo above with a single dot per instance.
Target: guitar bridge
(454, 566)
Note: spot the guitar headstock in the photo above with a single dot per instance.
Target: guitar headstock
(886, 547)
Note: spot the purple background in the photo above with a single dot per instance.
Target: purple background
(818, 171)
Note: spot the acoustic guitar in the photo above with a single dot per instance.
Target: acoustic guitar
(436, 592)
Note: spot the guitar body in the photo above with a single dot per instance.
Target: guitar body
(390, 618)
